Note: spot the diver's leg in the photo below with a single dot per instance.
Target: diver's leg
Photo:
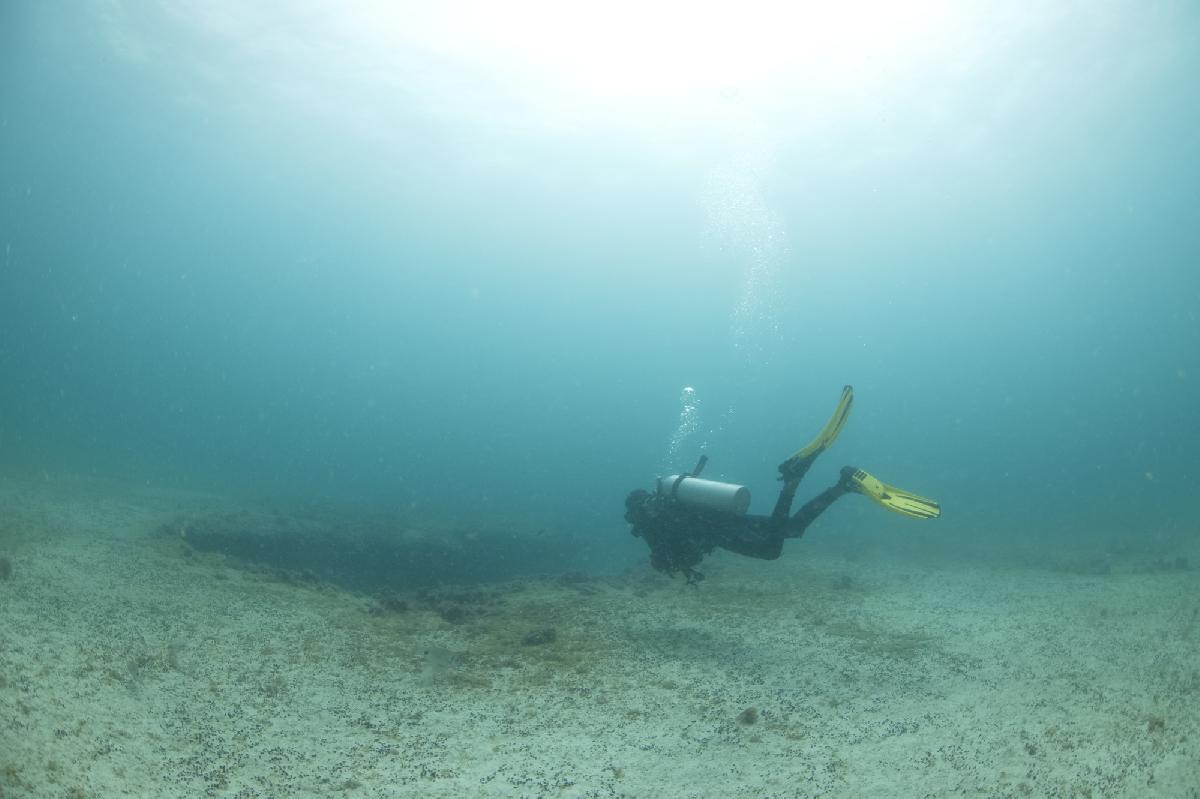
(768, 548)
(783, 505)
(817, 505)
(855, 480)
(754, 536)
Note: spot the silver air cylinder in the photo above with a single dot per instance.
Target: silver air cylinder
(724, 497)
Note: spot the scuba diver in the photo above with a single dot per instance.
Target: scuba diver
(686, 518)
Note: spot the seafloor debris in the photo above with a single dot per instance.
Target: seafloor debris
(540, 637)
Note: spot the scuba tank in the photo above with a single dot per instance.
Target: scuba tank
(690, 490)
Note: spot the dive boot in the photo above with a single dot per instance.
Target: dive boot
(890, 497)
(799, 461)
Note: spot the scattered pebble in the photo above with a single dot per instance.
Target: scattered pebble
(748, 716)
(546, 635)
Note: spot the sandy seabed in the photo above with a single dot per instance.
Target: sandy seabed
(131, 666)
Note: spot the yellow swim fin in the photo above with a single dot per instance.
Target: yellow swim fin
(804, 456)
(892, 498)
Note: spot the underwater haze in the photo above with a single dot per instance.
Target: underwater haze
(336, 338)
(514, 261)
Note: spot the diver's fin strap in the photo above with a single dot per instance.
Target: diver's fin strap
(802, 458)
(892, 498)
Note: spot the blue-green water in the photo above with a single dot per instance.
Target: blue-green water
(403, 258)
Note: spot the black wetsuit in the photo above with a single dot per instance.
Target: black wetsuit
(679, 536)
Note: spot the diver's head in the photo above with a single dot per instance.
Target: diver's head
(635, 506)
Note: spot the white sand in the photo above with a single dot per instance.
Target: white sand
(128, 668)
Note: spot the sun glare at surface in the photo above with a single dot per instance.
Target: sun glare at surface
(628, 49)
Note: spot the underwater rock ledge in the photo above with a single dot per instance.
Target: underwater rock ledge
(370, 554)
